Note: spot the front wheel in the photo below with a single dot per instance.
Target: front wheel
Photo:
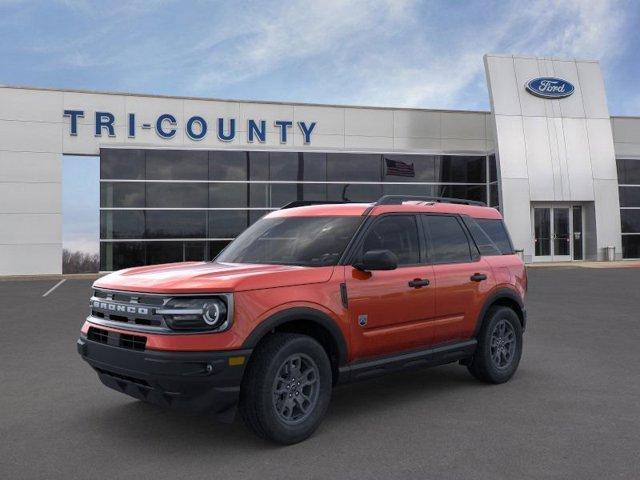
(499, 348)
(286, 389)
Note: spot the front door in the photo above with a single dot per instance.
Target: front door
(557, 233)
(391, 311)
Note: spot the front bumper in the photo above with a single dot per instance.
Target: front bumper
(194, 381)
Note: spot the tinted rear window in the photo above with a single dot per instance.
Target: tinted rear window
(447, 241)
(497, 232)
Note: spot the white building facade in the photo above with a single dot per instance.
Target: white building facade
(180, 177)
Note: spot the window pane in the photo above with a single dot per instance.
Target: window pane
(498, 233)
(418, 190)
(177, 195)
(164, 252)
(630, 221)
(353, 192)
(228, 165)
(176, 224)
(493, 169)
(628, 171)
(309, 241)
(314, 166)
(283, 193)
(195, 251)
(397, 233)
(122, 195)
(121, 224)
(127, 164)
(119, 255)
(314, 192)
(227, 195)
(447, 240)
(215, 248)
(631, 246)
(284, 166)
(629, 196)
(466, 192)
(177, 165)
(258, 166)
(494, 199)
(227, 223)
(354, 167)
(461, 169)
(409, 168)
(485, 244)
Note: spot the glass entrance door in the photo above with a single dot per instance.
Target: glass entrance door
(557, 233)
(561, 234)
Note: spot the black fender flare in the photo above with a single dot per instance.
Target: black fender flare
(296, 314)
(500, 294)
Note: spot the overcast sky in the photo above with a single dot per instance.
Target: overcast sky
(391, 53)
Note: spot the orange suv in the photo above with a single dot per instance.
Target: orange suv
(308, 297)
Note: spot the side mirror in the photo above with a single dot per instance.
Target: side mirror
(377, 260)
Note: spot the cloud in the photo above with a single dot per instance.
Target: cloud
(387, 52)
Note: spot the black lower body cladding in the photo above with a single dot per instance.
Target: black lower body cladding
(193, 381)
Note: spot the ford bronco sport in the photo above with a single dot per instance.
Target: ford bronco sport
(308, 297)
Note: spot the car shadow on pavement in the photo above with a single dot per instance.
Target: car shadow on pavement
(130, 421)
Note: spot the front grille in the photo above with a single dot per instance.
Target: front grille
(128, 308)
(98, 335)
(115, 339)
(133, 342)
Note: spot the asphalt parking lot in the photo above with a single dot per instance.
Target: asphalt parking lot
(571, 411)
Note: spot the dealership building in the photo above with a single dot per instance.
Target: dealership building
(180, 177)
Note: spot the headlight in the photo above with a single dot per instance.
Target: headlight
(204, 314)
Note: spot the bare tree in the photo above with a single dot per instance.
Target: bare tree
(80, 262)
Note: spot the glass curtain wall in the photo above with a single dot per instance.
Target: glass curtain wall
(160, 206)
(629, 190)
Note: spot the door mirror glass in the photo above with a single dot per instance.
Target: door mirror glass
(377, 260)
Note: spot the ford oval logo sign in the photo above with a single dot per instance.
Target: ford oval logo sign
(549, 87)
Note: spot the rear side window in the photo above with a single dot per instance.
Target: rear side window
(497, 232)
(397, 233)
(485, 244)
(447, 241)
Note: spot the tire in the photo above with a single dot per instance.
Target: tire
(274, 403)
(496, 358)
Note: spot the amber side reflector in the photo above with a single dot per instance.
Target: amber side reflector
(235, 361)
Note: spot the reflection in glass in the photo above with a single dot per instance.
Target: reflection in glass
(176, 224)
(228, 165)
(125, 164)
(227, 223)
(354, 167)
(117, 194)
(121, 224)
(561, 237)
(542, 228)
(177, 165)
(177, 195)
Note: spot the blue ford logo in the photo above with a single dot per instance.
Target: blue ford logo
(550, 87)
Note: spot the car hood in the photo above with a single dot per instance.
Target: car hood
(205, 277)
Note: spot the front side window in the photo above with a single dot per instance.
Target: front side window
(447, 240)
(304, 241)
(396, 233)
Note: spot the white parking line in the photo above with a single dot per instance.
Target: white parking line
(54, 287)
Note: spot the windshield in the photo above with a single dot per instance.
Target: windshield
(306, 241)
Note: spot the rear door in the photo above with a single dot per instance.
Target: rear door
(391, 311)
(462, 277)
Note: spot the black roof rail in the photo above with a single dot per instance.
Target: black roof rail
(398, 199)
(307, 203)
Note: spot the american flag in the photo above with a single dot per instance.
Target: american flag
(398, 168)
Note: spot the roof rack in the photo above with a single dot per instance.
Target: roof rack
(398, 199)
(307, 203)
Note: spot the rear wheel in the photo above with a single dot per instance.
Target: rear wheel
(499, 347)
(287, 388)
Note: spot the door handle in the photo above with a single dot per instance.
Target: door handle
(418, 282)
(478, 277)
